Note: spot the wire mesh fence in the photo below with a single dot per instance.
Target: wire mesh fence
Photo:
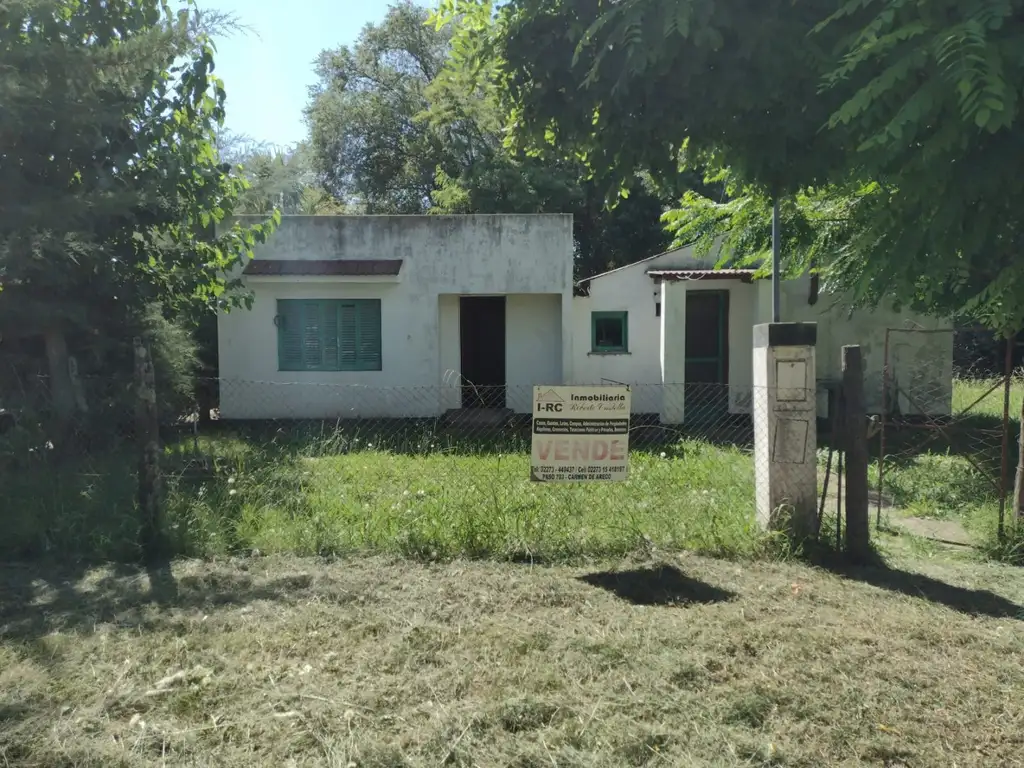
(947, 440)
(320, 468)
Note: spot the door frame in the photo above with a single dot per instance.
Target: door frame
(723, 333)
(469, 392)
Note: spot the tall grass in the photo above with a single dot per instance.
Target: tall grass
(306, 491)
(308, 488)
(984, 397)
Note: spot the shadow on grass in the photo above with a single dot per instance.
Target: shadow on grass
(664, 585)
(42, 598)
(973, 602)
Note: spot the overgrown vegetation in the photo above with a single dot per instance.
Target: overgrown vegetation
(419, 490)
(412, 491)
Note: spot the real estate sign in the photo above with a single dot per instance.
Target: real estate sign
(580, 434)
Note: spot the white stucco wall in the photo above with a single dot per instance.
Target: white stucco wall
(450, 350)
(629, 290)
(655, 363)
(533, 353)
(921, 362)
(526, 258)
(671, 393)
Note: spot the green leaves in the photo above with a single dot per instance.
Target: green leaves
(890, 127)
(109, 120)
(368, 144)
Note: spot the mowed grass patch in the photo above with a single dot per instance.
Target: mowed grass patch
(677, 661)
(287, 491)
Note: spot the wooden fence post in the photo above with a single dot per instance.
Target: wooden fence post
(147, 435)
(855, 443)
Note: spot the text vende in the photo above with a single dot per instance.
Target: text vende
(582, 449)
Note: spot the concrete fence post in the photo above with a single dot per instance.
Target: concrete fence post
(785, 428)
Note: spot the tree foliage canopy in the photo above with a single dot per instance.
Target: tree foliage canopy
(402, 122)
(111, 182)
(893, 126)
(368, 146)
(279, 180)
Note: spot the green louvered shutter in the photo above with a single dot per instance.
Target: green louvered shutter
(330, 317)
(328, 335)
(368, 356)
(348, 336)
(289, 336)
(312, 331)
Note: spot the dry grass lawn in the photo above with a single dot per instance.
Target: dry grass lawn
(675, 660)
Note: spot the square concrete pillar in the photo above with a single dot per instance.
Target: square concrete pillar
(785, 427)
(673, 351)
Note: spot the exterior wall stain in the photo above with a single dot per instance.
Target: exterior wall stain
(527, 258)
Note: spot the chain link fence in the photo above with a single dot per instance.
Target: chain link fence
(320, 468)
(324, 468)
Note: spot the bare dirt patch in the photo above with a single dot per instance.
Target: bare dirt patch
(384, 663)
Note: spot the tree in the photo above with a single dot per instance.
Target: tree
(890, 123)
(111, 182)
(398, 125)
(281, 180)
(656, 83)
(368, 147)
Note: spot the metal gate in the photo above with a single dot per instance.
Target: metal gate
(943, 446)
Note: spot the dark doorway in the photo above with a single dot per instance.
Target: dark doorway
(482, 338)
(707, 353)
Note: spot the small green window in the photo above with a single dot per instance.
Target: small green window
(328, 335)
(609, 333)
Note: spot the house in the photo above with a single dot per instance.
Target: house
(680, 332)
(421, 316)
(399, 316)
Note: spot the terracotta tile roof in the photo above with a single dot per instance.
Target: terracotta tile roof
(323, 267)
(744, 275)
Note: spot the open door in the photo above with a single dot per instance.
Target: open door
(482, 340)
(707, 353)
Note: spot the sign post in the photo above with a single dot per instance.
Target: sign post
(580, 434)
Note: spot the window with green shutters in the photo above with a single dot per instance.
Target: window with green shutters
(609, 333)
(328, 335)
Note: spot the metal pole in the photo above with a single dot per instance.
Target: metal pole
(881, 432)
(776, 290)
(1005, 450)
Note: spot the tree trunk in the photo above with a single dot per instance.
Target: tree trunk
(147, 432)
(62, 388)
(855, 443)
(1018, 483)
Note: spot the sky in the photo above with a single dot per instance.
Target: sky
(267, 70)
